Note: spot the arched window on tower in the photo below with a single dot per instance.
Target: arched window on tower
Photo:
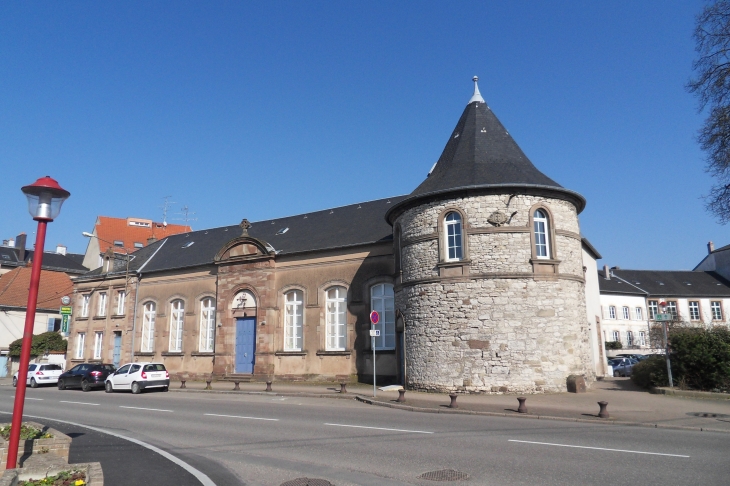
(542, 233)
(454, 241)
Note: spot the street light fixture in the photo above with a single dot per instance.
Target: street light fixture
(45, 198)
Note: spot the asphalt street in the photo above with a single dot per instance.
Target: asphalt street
(264, 439)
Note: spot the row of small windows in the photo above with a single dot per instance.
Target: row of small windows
(670, 307)
(630, 338)
(102, 304)
(455, 241)
(177, 315)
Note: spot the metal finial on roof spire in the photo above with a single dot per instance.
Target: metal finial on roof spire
(477, 96)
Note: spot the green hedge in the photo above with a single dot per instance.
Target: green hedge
(47, 341)
(651, 372)
(614, 345)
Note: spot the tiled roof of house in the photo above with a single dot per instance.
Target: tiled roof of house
(481, 154)
(119, 229)
(664, 283)
(342, 227)
(15, 283)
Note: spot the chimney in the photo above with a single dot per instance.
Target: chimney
(151, 240)
(20, 245)
(11, 243)
(5, 242)
(61, 249)
(710, 247)
(606, 273)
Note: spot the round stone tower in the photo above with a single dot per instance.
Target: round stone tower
(491, 288)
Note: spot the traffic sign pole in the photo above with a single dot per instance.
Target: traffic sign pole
(374, 319)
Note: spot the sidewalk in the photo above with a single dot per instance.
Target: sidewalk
(627, 404)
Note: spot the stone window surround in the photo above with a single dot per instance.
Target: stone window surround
(322, 297)
(699, 310)
(282, 299)
(541, 264)
(722, 311)
(170, 323)
(155, 314)
(198, 311)
(442, 237)
(367, 298)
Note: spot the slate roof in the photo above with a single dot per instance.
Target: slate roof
(15, 283)
(69, 263)
(342, 227)
(664, 283)
(118, 229)
(481, 154)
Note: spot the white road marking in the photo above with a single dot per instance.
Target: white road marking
(381, 428)
(240, 416)
(141, 408)
(598, 448)
(80, 403)
(200, 476)
(28, 398)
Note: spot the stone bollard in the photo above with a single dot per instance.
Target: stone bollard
(522, 408)
(208, 381)
(235, 386)
(453, 401)
(182, 384)
(603, 413)
(401, 396)
(268, 386)
(343, 387)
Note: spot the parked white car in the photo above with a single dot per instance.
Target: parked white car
(137, 377)
(40, 374)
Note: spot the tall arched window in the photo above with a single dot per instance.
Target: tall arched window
(293, 303)
(542, 229)
(336, 319)
(177, 315)
(382, 300)
(148, 327)
(207, 325)
(454, 243)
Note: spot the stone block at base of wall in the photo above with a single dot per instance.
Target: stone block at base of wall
(576, 384)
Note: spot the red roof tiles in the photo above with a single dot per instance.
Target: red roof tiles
(119, 229)
(14, 288)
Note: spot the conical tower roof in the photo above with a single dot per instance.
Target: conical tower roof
(481, 155)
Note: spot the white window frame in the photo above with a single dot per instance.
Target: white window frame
(293, 320)
(454, 237)
(336, 312)
(612, 312)
(541, 228)
(616, 336)
(382, 300)
(639, 314)
(121, 301)
(672, 309)
(694, 310)
(177, 319)
(207, 325)
(98, 344)
(148, 327)
(653, 307)
(716, 307)
(626, 313)
(642, 338)
(80, 343)
(85, 298)
(101, 311)
(629, 338)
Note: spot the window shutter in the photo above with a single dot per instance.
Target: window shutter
(604, 312)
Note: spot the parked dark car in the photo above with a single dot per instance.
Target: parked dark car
(85, 376)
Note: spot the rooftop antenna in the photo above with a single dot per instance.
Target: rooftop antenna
(186, 215)
(165, 206)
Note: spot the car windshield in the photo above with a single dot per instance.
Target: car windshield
(154, 367)
(108, 367)
(52, 367)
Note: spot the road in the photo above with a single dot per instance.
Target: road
(267, 440)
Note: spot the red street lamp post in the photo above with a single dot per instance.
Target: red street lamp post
(45, 198)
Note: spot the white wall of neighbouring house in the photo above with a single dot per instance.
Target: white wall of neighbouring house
(593, 313)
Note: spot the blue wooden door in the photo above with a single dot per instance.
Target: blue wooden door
(116, 357)
(245, 344)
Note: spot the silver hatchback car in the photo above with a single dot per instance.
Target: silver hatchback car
(137, 377)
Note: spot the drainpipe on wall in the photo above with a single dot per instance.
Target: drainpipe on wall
(134, 314)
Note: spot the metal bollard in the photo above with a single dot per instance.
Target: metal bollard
(603, 413)
(401, 396)
(453, 401)
(268, 386)
(207, 383)
(236, 387)
(182, 384)
(343, 387)
(522, 408)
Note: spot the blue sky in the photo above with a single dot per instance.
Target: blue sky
(266, 109)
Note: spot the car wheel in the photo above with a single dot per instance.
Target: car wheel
(167, 388)
(136, 388)
(15, 381)
(33, 383)
(616, 374)
(108, 387)
(61, 385)
(85, 386)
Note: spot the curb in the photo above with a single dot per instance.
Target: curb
(688, 393)
(410, 408)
